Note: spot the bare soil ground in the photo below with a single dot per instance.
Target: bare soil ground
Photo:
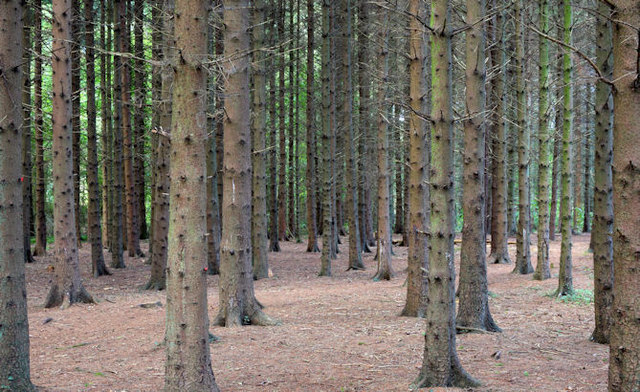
(337, 334)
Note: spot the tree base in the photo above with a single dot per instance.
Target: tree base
(236, 318)
(313, 247)
(155, 284)
(456, 377)
(599, 336)
(498, 258)
(57, 297)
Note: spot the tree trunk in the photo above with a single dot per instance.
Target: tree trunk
(588, 148)
(117, 173)
(272, 191)
(523, 254)
(162, 181)
(383, 254)
(603, 185)
(238, 304)
(66, 285)
(41, 219)
(188, 361)
(557, 148)
(312, 183)
(577, 169)
(499, 184)
(132, 226)
(258, 133)
(624, 365)
(27, 130)
(441, 366)
(565, 277)
(282, 162)
(473, 292)
(76, 29)
(98, 267)
(14, 324)
(105, 115)
(325, 153)
(140, 89)
(351, 175)
(418, 259)
(364, 111)
(545, 141)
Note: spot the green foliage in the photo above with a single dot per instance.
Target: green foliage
(578, 297)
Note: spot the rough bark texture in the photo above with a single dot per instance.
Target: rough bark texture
(544, 141)
(139, 118)
(473, 292)
(365, 148)
(66, 284)
(40, 218)
(312, 183)
(565, 278)
(441, 366)
(117, 172)
(188, 360)
(27, 130)
(283, 235)
(98, 266)
(383, 253)
(162, 181)
(238, 305)
(351, 174)
(132, 225)
(523, 253)
(418, 261)
(325, 152)
(76, 28)
(603, 186)
(258, 133)
(624, 363)
(14, 325)
(499, 188)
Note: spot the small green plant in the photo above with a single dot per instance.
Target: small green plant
(578, 297)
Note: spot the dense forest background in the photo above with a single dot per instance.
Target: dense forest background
(201, 137)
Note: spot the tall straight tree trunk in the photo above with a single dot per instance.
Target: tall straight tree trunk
(351, 175)
(117, 172)
(523, 254)
(325, 152)
(258, 133)
(473, 292)
(364, 112)
(576, 170)
(603, 184)
(14, 324)
(188, 360)
(291, 204)
(76, 29)
(238, 304)
(557, 148)
(162, 181)
(40, 218)
(624, 364)
(282, 132)
(27, 130)
(440, 365)
(312, 183)
(418, 259)
(139, 123)
(545, 142)
(499, 184)
(213, 203)
(588, 150)
(132, 227)
(98, 267)
(565, 277)
(272, 187)
(66, 285)
(383, 254)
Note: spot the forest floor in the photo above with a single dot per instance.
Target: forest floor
(338, 334)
